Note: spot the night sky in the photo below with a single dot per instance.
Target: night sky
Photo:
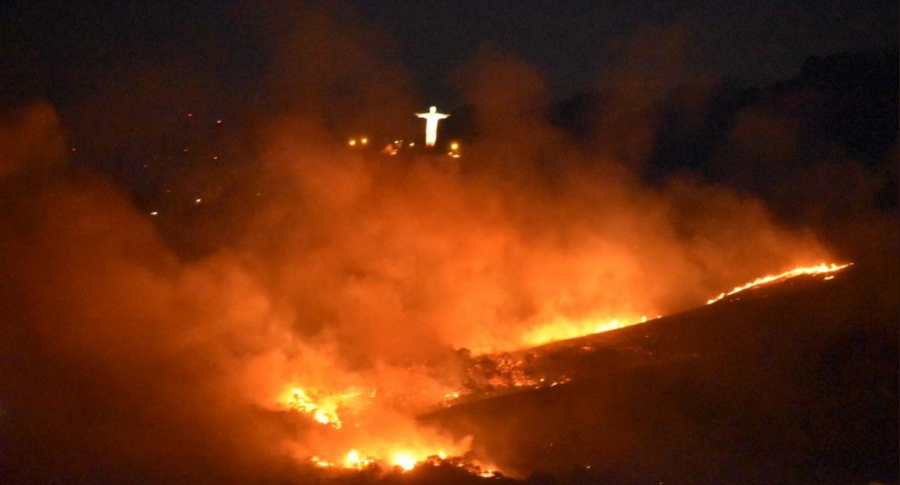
(63, 49)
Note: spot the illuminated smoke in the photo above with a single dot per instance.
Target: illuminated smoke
(333, 312)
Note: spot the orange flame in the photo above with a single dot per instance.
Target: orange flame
(562, 328)
(323, 410)
(803, 270)
(410, 451)
(404, 451)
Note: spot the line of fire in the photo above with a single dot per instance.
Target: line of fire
(550, 361)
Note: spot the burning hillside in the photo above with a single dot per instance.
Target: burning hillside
(337, 315)
(807, 365)
(220, 287)
(555, 363)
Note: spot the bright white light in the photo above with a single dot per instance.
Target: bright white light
(432, 117)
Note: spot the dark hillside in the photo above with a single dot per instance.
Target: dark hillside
(792, 383)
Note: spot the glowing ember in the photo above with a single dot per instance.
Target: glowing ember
(404, 460)
(320, 462)
(804, 270)
(357, 461)
(346, 414)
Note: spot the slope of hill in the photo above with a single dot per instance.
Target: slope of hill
(794, 382)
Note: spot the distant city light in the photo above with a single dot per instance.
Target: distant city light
(454, 149)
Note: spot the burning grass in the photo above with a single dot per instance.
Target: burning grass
(820, 269)
(486, 375)
(328, 322)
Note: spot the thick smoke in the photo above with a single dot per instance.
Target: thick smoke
(343, 271)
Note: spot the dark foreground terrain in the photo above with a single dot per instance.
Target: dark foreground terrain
(796, 382)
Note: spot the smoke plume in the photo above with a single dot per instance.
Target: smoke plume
(344, 272)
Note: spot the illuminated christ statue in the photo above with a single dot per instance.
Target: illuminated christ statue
(431, 121)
